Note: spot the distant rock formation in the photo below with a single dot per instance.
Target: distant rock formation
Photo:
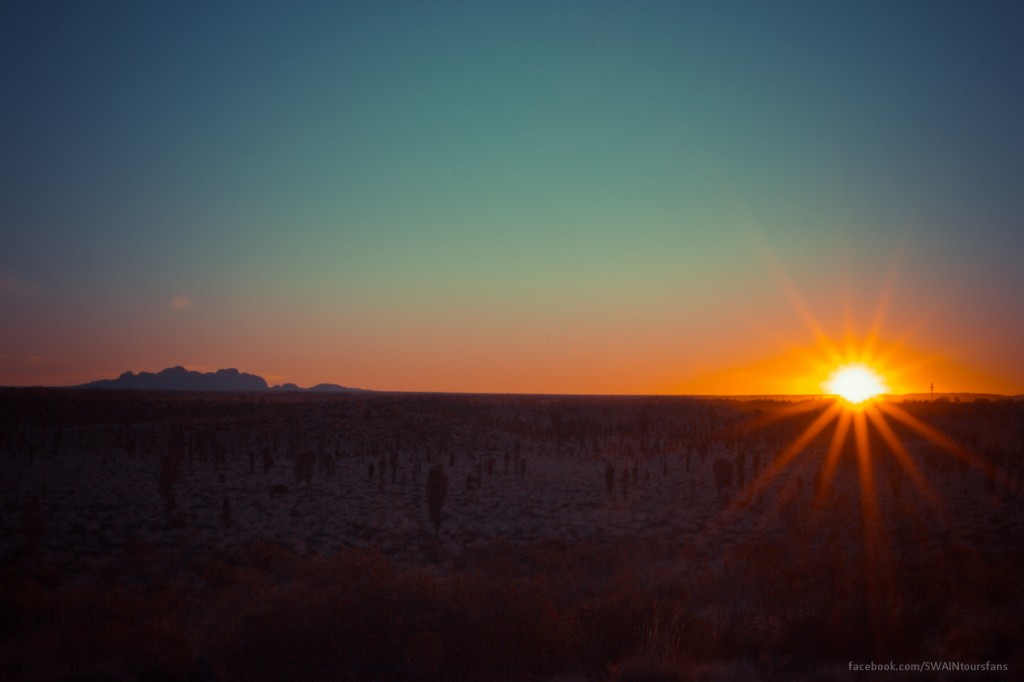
(181, 379)
(288, 387)
(319, 388)
(330, 388)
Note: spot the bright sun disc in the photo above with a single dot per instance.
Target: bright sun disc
(855, 383)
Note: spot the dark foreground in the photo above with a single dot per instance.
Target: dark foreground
(235, 537)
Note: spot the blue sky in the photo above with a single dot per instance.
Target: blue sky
(568, 197)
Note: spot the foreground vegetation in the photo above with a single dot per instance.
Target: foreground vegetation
(506, 612)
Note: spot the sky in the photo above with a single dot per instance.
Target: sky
(551, 197)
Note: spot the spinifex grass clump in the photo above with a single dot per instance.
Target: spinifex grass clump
(437, 491)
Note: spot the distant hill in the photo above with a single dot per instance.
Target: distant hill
(319, 388)
(330, 388)
(181, 379)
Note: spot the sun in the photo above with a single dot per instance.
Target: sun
(855, 383)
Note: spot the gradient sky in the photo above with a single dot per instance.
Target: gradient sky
(624, 197)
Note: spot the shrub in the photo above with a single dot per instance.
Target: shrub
(437, 491)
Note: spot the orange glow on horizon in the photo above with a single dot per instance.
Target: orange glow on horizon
(717, 352)
(839, 357)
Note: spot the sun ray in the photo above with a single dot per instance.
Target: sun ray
(782, 414)
(849, 327)
(881, 311)
(832, 458)
(876, 557)
(801, 442)
(765, 519)
(774, 469)
(938, 438)
(898, 372)
(869, 505)
(905, 460)
(807, 317)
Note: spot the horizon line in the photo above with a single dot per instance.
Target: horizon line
(350, 391)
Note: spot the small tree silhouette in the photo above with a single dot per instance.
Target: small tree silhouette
(171, 461)
(722, 469)
(437, 491)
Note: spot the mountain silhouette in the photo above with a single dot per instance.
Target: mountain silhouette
(181, 379)
(330, 388)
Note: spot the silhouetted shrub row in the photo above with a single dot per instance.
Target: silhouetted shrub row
(501, 611)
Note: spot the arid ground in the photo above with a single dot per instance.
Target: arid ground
(165, 536)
